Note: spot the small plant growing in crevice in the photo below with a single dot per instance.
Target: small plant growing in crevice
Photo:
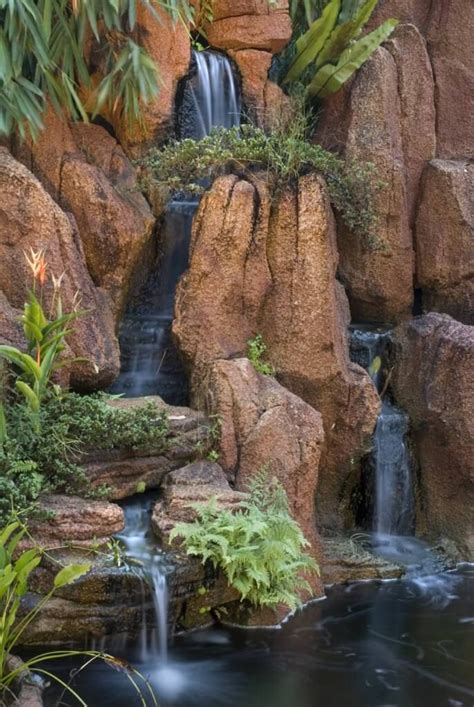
(256, 350)
(259, 547)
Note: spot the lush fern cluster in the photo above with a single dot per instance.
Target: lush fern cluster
(46, 459)
(259, 547)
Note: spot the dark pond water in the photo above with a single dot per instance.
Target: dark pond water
(391, 644)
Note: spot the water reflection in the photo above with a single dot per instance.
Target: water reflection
(369, 644)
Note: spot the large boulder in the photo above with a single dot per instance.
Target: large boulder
(264, 101)
(114, 220)
(416, 12)
(29, 218)
(449, 38)
(269, 267)
(433, 382)
(264, 426)
(86, 171)
(417, 106)
(444, 239)
(379, 277)
(250, 25)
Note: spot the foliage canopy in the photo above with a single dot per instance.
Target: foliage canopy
(43, 57)
(284, 154)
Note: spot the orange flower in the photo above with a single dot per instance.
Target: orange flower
(37, 263)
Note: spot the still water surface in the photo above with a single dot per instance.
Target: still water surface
(391, 644)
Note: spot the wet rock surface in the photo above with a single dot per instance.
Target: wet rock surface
(344, 560)
(433, 383)
(70, 520)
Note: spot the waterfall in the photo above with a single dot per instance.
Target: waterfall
(394, 499)
(210, 97)
(150, 362)
(139, 546)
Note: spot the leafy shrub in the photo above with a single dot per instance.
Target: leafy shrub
(45, 341)
(46, 460)
(284, 154)
(259, 547)
(256, 349)
(325, 56)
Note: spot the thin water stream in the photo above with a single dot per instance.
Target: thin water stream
(150, 362)
(394, 502)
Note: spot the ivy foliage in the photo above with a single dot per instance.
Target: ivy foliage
(284, 154)
(46, 458)
(259, 547)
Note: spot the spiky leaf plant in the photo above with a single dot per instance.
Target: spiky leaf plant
(328, 53)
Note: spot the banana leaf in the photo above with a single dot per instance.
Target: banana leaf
(312, 42)
(329, 79)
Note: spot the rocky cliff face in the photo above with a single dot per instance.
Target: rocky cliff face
(269, 266)
(407, 112)
(433, 381)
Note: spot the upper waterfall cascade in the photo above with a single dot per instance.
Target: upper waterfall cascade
(150, 363)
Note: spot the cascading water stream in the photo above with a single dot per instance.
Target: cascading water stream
(394, 498)
(210, 97)
(150, 364)
(139, 546)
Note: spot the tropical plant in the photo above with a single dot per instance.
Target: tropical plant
(256, 350)
(43, 56)
(45, 339)
(284, 154)
(326, 55)
(36, 462)
(259, 546)
(15, 571)
(14, 576)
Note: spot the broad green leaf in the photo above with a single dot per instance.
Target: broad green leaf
(344, 33)
(312, 42)
(69, 574)
(23, 361)
(329, 79)
(29, 395)
(349, 9)
(7, 532)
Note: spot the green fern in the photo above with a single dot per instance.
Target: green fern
(259, 547)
